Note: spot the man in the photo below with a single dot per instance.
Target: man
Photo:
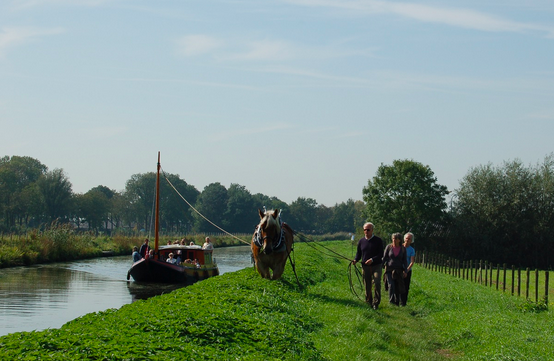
(208, 244)
(370, 251)
(144, 248)
(410, 256)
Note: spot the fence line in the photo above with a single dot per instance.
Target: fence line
(482, 272)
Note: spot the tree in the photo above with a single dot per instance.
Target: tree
(18, 193)
(175, 214)
(505, 214)
(304, 215)
(344, 218)
(240, 215)
(212, 203)
(55, 190)
(93, 207)
(405, 196)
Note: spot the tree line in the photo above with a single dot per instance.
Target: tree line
(503, 213)
(32, 196)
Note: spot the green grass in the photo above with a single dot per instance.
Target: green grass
(239, 316)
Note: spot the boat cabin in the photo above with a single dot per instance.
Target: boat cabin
(204, 257)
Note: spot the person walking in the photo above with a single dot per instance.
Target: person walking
(370, 252)
(394, 259)
(410, 260)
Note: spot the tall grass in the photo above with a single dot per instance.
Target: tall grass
(60, 242)
(239, 316)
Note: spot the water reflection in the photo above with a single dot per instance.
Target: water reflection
(48, 296)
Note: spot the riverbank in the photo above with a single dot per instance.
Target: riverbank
(241, 316)
(62, 243)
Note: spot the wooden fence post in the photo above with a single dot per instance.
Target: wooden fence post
(497, 275)
(471, 270)
(481, 271)
(491, 267)
(519, 281)
(513, 278)
(536, 285)
(527, 282)
(504, 285)
(486, 275)
(546, 288)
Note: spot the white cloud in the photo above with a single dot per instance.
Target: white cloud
(13, 36)
(266, 50)
(458, 17)
(194, 45)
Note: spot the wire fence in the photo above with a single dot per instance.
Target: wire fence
(521, 282)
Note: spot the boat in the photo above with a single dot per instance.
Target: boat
(192, 263)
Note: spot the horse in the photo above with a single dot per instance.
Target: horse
(271, 244)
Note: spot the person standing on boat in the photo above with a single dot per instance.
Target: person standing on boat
(136, 255)
(144, 248)
(370, 252)
(208, 244)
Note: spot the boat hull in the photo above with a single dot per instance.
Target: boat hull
(152, 270)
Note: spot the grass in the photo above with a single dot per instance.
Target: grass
(239, 316)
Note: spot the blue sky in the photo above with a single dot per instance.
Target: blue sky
(298, 98)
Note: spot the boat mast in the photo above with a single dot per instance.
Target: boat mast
(157, 220)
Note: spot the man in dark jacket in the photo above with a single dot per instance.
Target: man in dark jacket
(144, 248)
(370, 251)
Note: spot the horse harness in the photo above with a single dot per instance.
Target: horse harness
(279, 247)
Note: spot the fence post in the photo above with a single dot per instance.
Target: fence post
(486, 274)
(513, 278)
(504, 285)
(527, 282)
(491, 267)
(536, 285)
(518, 281)
(546, 288)
(497, 275)
(471, 270)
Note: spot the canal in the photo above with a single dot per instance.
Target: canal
(48, 296)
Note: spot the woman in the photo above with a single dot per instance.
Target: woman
(410, 255)
(394, 261)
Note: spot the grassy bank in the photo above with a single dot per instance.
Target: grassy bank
(241, 316)
(63, 243)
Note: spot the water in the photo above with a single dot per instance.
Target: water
(48, 296)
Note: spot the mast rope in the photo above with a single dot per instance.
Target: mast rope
(200, 214)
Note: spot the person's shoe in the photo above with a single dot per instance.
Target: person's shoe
(375, 307)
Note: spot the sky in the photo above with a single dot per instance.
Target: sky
(288, 98)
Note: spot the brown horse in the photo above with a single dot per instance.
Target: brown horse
(271, 244)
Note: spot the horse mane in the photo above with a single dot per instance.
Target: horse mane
(270, 219)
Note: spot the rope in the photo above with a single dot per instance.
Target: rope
(200, 214)
(331, 253)
(303, 238)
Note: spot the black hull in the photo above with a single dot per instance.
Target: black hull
(152, 270)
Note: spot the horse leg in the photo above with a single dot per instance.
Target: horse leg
(263, 270)
(279, 269)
